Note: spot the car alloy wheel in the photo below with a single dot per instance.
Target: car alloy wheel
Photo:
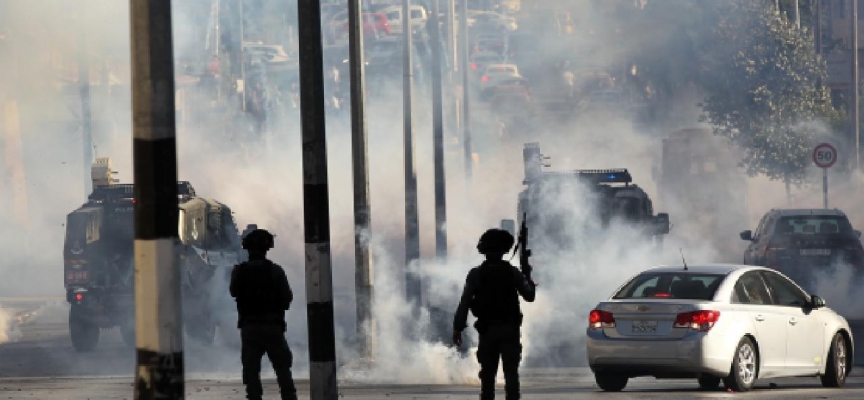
(746, 364)
(840, 358)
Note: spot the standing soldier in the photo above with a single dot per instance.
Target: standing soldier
(492, 293)
(263, 294)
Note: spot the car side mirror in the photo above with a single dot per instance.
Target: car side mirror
(816, 302)
(509, 225)
(857, 233)
(747, 235)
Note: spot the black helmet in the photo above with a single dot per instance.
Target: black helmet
(259, 239)
(495, 241)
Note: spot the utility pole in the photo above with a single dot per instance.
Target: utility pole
(466, 115)
(855, 82)
(413, 287)
(86, 114)
(818, 26)
(438, 138)
(797, 13)
(158, 309)
(243, 51)
(363, 278)
(316, 206)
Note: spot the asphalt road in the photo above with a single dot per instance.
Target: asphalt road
(38, 362)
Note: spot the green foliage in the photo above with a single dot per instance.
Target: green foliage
(762, 83)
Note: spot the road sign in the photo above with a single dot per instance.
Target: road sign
(824, 155)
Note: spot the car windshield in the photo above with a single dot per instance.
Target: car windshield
(813, 225)
(501, 71)
(671, 285)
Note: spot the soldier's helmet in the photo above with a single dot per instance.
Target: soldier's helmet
(259, 239)
(495, 241)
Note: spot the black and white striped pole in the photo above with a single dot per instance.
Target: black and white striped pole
(158, 318)
(316, 208)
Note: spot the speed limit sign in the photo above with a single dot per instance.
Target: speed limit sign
(824, 155)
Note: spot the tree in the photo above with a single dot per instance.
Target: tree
(762, 82)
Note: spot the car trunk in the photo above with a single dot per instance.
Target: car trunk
(647, 319)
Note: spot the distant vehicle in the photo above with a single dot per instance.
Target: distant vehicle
(511, 6)
(419, 17)
(490, 43)
(608, 196)
(605, 100)
(274, 56)
(488, 19)
(495, 74)
(802, 242)
(375, 25)
(716, 323)
(99, 262)
(479, 61)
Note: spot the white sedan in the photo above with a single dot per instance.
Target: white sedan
(497, 73)
(729, 323)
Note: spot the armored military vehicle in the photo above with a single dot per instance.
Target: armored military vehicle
(698, 175)
(99, 261)
(553, 202)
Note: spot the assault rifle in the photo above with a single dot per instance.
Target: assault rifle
(524, 251)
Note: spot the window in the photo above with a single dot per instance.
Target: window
(416, 14)
(813, 225)
(751, 289)
(394, 16)
(675, 285)
(785, 293)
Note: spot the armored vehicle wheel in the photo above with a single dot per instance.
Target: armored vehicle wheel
(84, 334)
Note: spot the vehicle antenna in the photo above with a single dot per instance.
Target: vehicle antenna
(682, 258)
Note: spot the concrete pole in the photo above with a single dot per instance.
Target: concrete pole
(319, 269)
(818, 26)
(438, 138)
(797, 13)
(464, 41)
(243, 52)
(158, 309)
(855, 86)
(363, 276)
(413, 288)
(86, 114)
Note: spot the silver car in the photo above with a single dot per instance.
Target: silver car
(729, 323)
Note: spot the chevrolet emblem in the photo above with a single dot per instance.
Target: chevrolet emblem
(643, 308)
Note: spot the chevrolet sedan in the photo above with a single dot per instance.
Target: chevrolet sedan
(716, 323)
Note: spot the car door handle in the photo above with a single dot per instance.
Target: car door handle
(793, 321)
(760, 318)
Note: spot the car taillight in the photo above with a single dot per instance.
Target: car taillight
(485, 78)
(473, 66)
(662, 295)
(79, 296)
(701, 320)
(598, 319)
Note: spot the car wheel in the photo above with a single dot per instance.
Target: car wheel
(742, 374)
(709, 382)
(611, 382)
(836, 367)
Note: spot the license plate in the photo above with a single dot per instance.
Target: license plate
(815, 252)
(644, 327)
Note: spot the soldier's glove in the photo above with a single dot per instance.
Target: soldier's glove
(526, 270)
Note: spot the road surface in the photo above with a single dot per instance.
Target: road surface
(37, 362)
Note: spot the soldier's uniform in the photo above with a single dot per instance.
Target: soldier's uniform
(263, 295)
(492, 293)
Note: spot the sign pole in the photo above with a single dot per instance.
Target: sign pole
(825, 187)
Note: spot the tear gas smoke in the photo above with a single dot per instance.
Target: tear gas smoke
(260, 178)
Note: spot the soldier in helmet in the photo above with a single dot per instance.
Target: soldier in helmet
(492, 293)
(263, 294)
